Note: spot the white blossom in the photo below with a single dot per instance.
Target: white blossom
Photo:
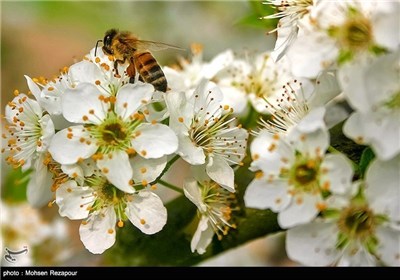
(358, 231)
(102, 206)
(109, 124)
(373, 90)
(343, 31)
(214, 206)
(293, 173)
(205, 138)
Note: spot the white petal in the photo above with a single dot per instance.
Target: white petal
(335, 114)
(351, 77)
(82, 104)
(189, 151)
(51, 99)
(34, 88)
(342, 201)
(381, 76)
(85, 72)
(156, 113)
(386, 27)
(312, 244)
(310, 144)
(74, 171)
(29, 105)
(356, 255)
(303, 209)
(117, 168)
(234, 98)
(311, 54)
(147, 212)
(207, 98)
(147, 169)
(199, 173)
(181, 111)
(267, 153)
(202, 237)
(155, 141)
(389, 245)
(326, 88)
(261, 194)
(286, 36)
(383, 188)
(192, 191)
(220, 171)
(68, 151)
(73, 200)
(39, 187)
(313, 121)
(337, 173)
(47, 127)
(388, 126)
(218, 63)
(99, 233)
(174, 78)
(131, 97)
(369, 129)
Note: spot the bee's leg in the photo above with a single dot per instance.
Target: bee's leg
(116, 62)
(131, 71)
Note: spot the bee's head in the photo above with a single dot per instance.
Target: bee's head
(107, 41)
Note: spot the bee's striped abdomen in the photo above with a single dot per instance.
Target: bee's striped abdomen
(150, 71)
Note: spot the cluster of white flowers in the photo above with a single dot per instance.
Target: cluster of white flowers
(99, 145)
(332, 216)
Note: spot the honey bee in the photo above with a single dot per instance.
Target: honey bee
(125, 46)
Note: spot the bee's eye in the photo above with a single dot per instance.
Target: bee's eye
(107, 40)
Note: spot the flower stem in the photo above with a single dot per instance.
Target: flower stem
(333, 150)
(167, 167)
(171, 186)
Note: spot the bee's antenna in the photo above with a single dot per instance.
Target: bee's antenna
(97, 43)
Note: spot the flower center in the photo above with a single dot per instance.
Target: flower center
(113, 133)
(111, 193)
(355, 34)
(201, 137)
(304, 174)
(257, 81)
(217, 204)
(357, 222)
(106, 195)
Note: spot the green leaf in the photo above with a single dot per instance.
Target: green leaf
(366, 157)
(254, 18)
(255, 21)
(14, 185)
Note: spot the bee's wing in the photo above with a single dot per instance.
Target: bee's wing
(153, 46)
